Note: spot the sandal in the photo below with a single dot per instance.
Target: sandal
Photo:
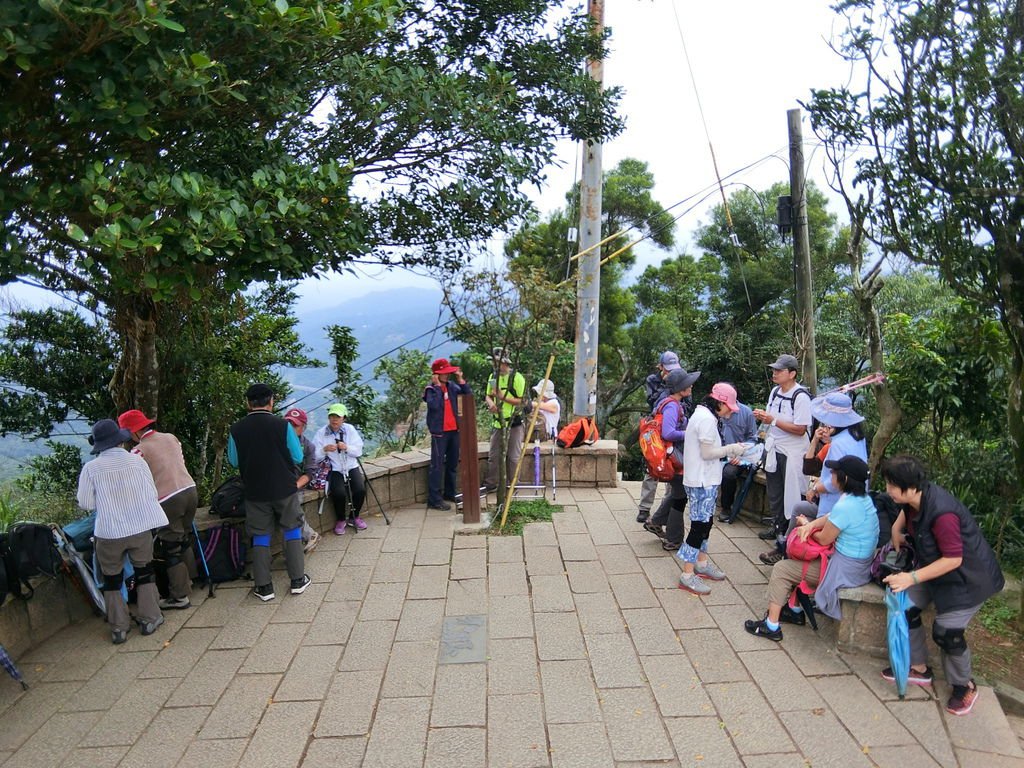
(671, 546)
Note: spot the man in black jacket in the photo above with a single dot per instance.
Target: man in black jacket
(266, 451)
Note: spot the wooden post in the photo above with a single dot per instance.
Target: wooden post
(469, 465)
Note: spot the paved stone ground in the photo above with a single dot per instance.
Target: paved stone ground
(593, 659)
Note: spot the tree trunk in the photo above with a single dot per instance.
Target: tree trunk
(136, 380)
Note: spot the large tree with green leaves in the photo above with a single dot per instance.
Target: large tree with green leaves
(151, 151)
(933, 132)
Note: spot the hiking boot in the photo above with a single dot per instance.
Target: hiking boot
(310, 545)
(914, 678)
(149, 627)
(299, 585)
(657, 530)
(771, 557)
(760, 628)
(119, 636)
(264, 592)
(963, 698)
(358, 523)
(767, 535)
(693, 583)
(174, 603)
(642, 515)
(339, 528)
(790, 616)
(442, 505)
(708, 570)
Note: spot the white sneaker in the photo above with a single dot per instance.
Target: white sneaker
(694, 583)
(708, 570)
(310, 545)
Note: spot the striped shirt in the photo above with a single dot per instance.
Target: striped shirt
(119, 486)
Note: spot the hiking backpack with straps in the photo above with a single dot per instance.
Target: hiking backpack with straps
(653, 446)
(807, 552)
(775, 394)
(224, 551)
(581, 432)
(27, 550)
(229, 499)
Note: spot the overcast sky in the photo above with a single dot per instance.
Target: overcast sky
(752, 61)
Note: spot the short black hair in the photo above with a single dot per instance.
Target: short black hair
(905, 471)
(848, 484)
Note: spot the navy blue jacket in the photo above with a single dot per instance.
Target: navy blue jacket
(433, 396)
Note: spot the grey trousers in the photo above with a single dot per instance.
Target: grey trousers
(260, 519)
(110, 555)
(515, 450)
(648, 490)
(957, 668)
(181, 511)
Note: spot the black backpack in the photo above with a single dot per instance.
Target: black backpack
(224, 551)
(28, 550)
(229, 499)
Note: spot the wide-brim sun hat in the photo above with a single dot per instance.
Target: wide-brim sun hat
(835, 410)
(106, 434)
(544, 388)
(680, 379)
(134, 420)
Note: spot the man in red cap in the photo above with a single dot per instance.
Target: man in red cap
(443, 424)
(176, 491)
(298, 418)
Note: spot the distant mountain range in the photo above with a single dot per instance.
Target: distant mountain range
(381, 321)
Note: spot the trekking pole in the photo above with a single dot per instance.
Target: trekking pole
(366, 479)
(866, 381)
(202, 558)
(554, 484)
(536, 464)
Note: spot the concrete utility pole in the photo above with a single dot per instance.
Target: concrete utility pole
(802, 255)
(588, 275)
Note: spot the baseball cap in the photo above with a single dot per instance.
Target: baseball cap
(785, 361)
(851, 466)
(337, 410)
(441, 366)
(296, 416)
(725, 393)
(669, 361)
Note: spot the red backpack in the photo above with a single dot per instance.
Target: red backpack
(653, 446)
(807, 551)
(580, 432)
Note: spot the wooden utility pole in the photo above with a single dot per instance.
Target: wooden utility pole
(588, 275)
(802, 255)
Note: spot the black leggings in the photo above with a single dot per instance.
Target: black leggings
(339, 491)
